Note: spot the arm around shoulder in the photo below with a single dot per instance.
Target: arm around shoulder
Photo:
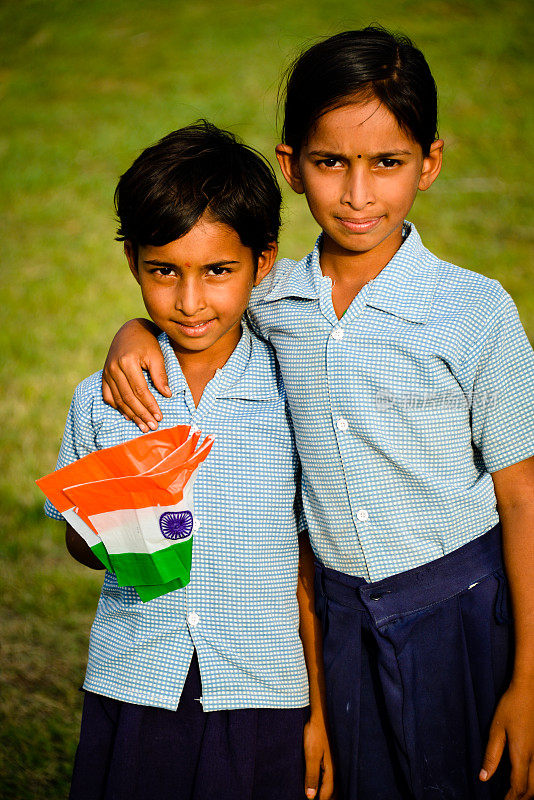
(134, 349)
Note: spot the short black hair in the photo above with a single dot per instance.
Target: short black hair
(190, 171)
(356, 66)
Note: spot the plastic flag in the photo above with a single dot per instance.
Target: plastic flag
(133, 506)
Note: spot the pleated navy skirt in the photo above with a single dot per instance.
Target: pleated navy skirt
(133, 752)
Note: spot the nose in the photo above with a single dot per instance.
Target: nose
(358, 189)
(190, 297)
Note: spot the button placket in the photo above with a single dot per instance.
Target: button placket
(337, 334)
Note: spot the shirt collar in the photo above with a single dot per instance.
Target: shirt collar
(405, 287)
(297, 278)
(247, 375)
(407, 284)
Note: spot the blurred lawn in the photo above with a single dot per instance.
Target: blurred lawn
(86, 85)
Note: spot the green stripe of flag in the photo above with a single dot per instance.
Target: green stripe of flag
(147, 593)
(101, 553)
(149, 569)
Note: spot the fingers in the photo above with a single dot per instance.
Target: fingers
(126, 412)
(327, 780)
(494, 751)
(107, 393)
(530, 788)
(136, 385)
(156, 368)
(313, 771)
(133, 397)
(521, 777)
(129, 411)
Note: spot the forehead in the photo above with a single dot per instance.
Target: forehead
(207, 241)
(366, 127)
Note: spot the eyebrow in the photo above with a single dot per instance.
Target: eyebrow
(389, 154)
(156, 263)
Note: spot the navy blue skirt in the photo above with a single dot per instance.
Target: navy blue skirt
(132, 752)
(415, 665)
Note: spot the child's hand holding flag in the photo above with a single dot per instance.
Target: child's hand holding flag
(132, 504)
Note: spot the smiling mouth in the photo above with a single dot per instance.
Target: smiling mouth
(359, 225)
(194, 329)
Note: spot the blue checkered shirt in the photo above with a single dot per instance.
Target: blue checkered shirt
(402, 408)
(240, 609)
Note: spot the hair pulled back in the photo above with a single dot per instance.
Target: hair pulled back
(356, 66)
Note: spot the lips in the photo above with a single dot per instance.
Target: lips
(194, 329)
(359, 225)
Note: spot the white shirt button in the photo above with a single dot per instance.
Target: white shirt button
(342, 424)
(196, 524)
(194, 428)
(362, 515)
(193, 619)
(337, 334)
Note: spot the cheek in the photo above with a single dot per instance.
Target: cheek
(320, 194)
(233, 301)
(157, 298)
(402, 194)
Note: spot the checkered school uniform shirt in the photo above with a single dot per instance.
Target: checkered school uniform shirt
(402, 408)
(240, 609)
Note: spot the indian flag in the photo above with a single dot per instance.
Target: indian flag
(133, 505)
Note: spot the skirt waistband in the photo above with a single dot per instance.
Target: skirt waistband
(419, 588)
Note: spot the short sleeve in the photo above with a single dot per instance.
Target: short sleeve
(78, 437)
(502, 409)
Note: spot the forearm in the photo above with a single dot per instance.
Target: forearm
(517, 522)
(310, 628)
(147, 324)
(513, 721)
(80, 550)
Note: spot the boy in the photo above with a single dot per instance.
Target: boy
(199, 216)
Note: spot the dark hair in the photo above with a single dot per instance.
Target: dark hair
(355, 66)
(192, 170)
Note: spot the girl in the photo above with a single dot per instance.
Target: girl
(410, 383)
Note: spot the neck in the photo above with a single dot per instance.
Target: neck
(199, 367)
(357, 268)
(350, 270)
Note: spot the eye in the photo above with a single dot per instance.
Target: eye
(218, 271)
(388, 163)
(329, 163)
(164, 271)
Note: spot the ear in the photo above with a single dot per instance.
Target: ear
(431, 165)
(265, 262)
(289, 164)
(129, 252)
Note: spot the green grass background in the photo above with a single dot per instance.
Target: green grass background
(84, 86)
